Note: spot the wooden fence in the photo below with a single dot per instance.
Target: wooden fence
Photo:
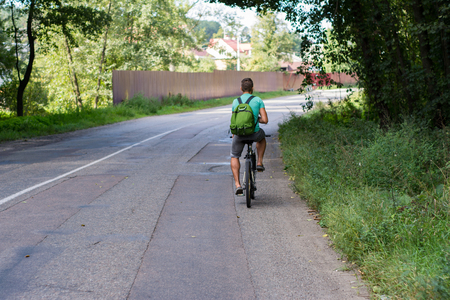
(196, 86)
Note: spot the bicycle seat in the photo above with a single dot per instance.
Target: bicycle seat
(248, 141)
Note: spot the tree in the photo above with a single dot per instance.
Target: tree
(336, 60)
(219, 34)
(78, 43)
(209, 27)
(67, 21)
(6, 53)
(142, 35)
(6, 69)
(272, 42)
(102, 58)
(151, 35)
(232, 26)
(42, 17)
(400, 49)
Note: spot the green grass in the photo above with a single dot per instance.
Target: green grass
(14, 128)
(384, 195)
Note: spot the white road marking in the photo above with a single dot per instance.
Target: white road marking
(4, 200)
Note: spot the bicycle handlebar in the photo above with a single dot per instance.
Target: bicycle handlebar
(267, 135)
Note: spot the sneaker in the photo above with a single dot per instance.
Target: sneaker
(239, 191)
(260, 168)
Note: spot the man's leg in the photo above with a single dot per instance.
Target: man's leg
(261, 148)
(235, 168)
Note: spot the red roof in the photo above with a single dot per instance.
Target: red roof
(200, 52)
(233, 44)
(291, 67)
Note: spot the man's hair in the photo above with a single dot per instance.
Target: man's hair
(247, 85)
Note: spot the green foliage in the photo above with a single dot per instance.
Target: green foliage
(36, 96)
(142, 104)
(232, 25)
(193, 65)
(383, 194)
(336, 60)
(70, 19)
(54, 69)
(400, 50)
(6, 53)
(218, 35)
(205, 65)
(210, 28)
(271, 42)
(438, 287)
(8, 93)
(139, 35)
(42, 19)
(151, 35)
(394, 159)
(177, 100)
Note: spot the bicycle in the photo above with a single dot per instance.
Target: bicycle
(250, 173)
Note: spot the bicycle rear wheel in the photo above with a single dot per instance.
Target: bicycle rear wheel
(248, 183)
(252, 177)
(253, 189)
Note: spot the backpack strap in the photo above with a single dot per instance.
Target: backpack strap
(248, 100)
(239, 100)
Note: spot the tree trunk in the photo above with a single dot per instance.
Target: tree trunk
(443, 37)
(100, 68)
(373, 84)
(74, 74)
(424, 46)
(130, 23)
(26, 78)
(445, 53)
(400, 57)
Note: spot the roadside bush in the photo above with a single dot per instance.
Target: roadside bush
(33, 123)
(142, 104)
(404, 159)
(177, 100)
(382, 194)
(8, 93)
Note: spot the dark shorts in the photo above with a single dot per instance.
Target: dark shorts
(238, 144)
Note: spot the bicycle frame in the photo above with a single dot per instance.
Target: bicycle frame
(250, 171)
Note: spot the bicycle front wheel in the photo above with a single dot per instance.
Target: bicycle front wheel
(247, 182)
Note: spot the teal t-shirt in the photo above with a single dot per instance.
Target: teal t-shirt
(256, 104)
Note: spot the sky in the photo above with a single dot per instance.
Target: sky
(247, 17)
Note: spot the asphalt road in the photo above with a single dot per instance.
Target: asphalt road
(145, 209)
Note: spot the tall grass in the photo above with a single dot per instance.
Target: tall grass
(13, 128)
(383, 195)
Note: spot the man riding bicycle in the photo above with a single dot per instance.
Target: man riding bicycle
(258, 136)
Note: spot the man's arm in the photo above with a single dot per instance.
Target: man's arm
(263, 119)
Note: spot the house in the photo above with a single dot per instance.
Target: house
(225, 49)
(200, 54)
(290, 67)
(222, 50)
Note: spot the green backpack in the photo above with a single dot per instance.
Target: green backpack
(242, 118)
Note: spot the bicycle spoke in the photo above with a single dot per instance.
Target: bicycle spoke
(248, 183)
